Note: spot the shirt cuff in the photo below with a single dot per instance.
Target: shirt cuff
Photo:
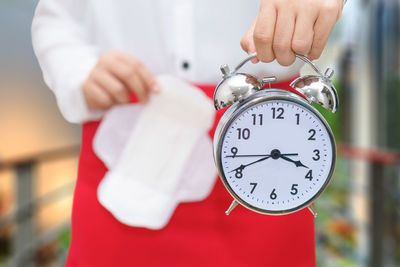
(70, 98)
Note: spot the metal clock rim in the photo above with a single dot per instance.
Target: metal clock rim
(235, 110)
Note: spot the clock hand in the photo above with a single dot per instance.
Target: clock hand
(262, 155)
(296, 162)
(241, 167)
(275, 154)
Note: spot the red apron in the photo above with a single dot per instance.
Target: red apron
(198, 234)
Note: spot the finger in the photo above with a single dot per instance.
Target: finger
(147, 78)
(96, 97)
(284, 29)
(339, 14)
(138, 87)
(247, 42)
(264, 33)
(128, 74)
(322, 29)
(113, 86)
(303, 33)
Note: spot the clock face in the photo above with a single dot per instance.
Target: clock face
(277, 156)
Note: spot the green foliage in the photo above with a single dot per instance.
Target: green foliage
(336, 240)
(64, 240)
(335, 232)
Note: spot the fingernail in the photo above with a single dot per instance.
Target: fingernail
(155, 89)
(252, 50)
(255, 60)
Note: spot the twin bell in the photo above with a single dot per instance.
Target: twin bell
(236, 86)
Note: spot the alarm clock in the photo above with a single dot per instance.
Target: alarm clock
(275, 153)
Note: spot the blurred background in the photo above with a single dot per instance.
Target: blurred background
(359, 214)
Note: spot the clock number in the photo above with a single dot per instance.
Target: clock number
(260, 116)
(279, 115)
(234, 151)
(254, 187)
(294, 190)
(273, 195)
(316, 157)
(297, 118)
(312, 132)
(238, 173)
(245, 133)
(309, 175)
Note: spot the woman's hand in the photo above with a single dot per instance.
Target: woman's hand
(114, 76)
(284, 28)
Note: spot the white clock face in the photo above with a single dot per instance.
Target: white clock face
(277, 156)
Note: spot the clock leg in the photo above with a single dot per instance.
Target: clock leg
(231, 207)
(312, 210)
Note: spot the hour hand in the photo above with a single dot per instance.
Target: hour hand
(296, 162)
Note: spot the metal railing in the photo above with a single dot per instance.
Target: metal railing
(25, 240)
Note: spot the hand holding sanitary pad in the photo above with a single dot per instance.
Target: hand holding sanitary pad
(157, 154)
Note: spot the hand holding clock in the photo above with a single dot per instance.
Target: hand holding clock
(284, 28)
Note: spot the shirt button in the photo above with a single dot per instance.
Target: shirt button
(185, 65)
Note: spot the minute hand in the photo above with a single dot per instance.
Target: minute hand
(259, 155)
(251, 163)
(296, 162)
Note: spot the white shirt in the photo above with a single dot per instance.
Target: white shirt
(189, 39)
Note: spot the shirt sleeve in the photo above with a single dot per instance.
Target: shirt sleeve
(61, 42)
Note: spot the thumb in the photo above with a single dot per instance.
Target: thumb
(247, 42)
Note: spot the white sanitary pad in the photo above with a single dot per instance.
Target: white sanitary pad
(158, 154)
